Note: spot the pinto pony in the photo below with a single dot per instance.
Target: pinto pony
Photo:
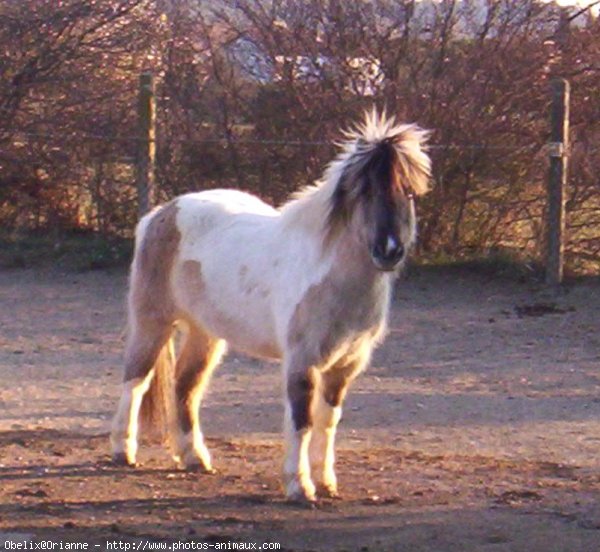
(308, 284)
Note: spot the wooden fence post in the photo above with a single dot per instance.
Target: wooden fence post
(146, 147)
(557, 182)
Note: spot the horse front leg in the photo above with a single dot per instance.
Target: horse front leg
(300, 385)
(333, 386)
(322, 446)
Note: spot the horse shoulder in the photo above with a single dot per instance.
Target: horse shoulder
(333, 316)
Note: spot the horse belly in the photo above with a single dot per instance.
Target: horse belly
(245, 332)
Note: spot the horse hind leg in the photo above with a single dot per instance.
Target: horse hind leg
(146, 341)
(151, 313)
(199, 356)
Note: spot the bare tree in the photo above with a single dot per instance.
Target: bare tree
(252, 94)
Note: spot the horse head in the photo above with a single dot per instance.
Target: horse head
(382, 167)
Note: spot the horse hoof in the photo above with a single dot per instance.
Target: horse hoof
(120, 459)
(199, 468)
(327, 492)
(300, 499)
(297, 495)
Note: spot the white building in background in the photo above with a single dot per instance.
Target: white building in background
(360, 75)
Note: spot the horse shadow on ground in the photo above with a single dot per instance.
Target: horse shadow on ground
(381, 528)
(393, 500)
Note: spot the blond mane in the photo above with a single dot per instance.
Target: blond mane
(311, 206)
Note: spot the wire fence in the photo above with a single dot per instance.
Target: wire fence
(225, 141)
(106, 200)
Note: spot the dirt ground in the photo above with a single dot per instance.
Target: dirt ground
(477, 428)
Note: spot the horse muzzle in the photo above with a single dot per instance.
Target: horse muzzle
(388, 256)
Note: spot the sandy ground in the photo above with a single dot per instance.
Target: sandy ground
(476, 428)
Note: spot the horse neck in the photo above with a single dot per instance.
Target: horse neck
(307, 215)
(346, 255)
(307, 212)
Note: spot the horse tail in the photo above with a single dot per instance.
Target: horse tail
(151, 313)
(158, 405)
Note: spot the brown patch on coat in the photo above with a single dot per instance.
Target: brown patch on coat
(151, 290)
(300, 391)
(150, 297)
(336, 380)
(143, 350)
(333, 311)
(191, 274)
(191, 374)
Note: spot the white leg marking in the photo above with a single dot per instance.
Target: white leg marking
(322, 446)
(192, 450)
(296, 468)
(124, 433)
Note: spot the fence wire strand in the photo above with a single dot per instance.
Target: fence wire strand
(224, 141)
